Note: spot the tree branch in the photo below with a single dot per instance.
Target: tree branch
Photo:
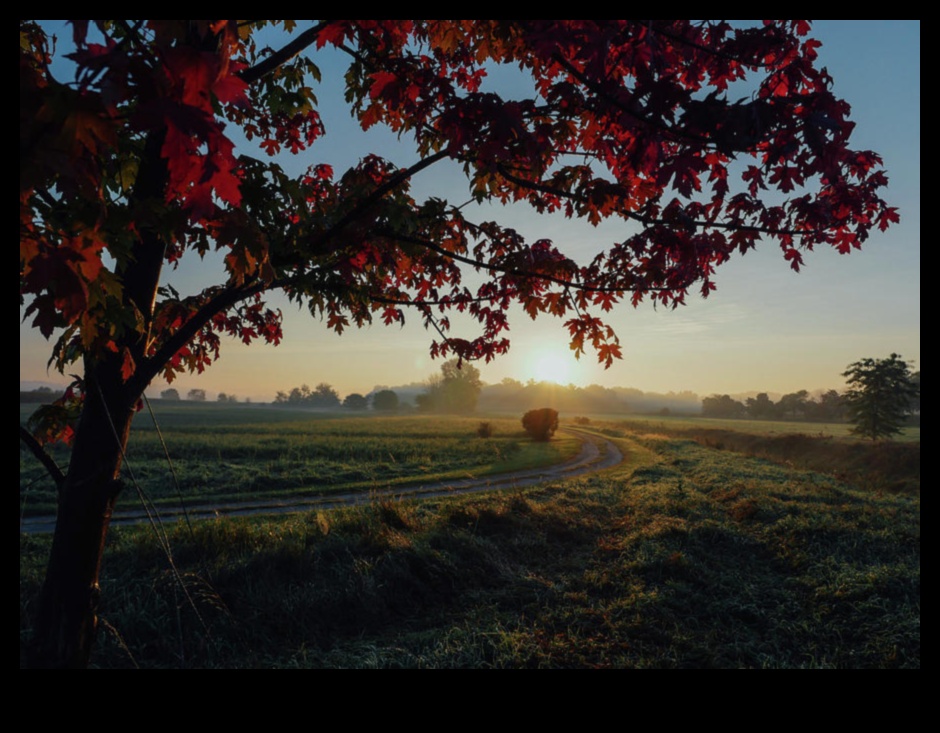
(599, 91)
(652, 221)
(410, 239)
(710, 51)
(390, 184)
(148, 368)
(44, 458)
(282, 56)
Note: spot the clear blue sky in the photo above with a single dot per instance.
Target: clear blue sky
(766, 328)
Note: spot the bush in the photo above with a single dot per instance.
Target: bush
(541, 424)
(485, 430)
(582, 421)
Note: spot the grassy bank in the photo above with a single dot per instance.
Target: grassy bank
(685, 556)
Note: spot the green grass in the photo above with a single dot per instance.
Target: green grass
(685, 556)
(674, 423)
(222, 453)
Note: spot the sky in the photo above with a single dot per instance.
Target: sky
(766, 328)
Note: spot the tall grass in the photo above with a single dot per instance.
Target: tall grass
(684, 556)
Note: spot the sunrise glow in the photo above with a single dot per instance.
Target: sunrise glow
(550, 365)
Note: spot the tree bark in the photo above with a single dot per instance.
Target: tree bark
(67, 619)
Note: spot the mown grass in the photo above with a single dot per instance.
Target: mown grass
(266, 453)
(683, 557)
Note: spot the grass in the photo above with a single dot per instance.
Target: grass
(685, 556)
(680, 423)
(269, 453)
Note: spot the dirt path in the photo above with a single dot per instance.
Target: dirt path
(597, 453)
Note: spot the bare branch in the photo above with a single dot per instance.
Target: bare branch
(35, 447)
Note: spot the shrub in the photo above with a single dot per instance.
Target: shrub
(485, 430)
(582, 421)
(541, 424)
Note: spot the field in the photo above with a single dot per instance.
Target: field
(690, 554)
(225, 453)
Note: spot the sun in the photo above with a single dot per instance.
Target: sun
(550, 366)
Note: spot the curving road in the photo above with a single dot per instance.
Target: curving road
(596, 454)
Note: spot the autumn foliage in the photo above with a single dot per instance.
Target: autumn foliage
(156, 141)
(634, 120)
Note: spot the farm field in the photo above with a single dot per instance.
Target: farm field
(687, 555)
(225, 453)
(679, 423)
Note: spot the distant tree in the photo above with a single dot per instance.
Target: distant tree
(299, 395)
(355, 401)
(233, 398)
(222, 397)
(457, 389)
(385, 400)
(828, 406)
(879, 396)
(324, 397)
(40, 395)
(541, 424)
(430, 400)
(761, 407)
(722, 406)
(196, 395)
(170, 394)
(915, 401)
(794, 405)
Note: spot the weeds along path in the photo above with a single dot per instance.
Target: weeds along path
(596, 454)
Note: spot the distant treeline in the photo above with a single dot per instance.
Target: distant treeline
(43, 394)
(827, 407)
(511, 394)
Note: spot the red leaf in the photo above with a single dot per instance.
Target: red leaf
(128, 367)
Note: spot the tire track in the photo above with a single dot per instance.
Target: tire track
(596, 454)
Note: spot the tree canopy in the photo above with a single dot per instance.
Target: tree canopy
(160, 140)
(456, 389)
(881, 394)
(627, 119)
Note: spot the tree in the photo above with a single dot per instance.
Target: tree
(794, 404)
(170, 394)
(722, 406)
(828, 406)
(355, 401)
(128, 167)
(879, 396)
(457, 389)
(541, 424)
(196, 395)
(761, 407)
(222, 397)
(324, 397)
(385, 400)
(915, 401)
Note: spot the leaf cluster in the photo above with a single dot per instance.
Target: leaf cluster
(129, 165)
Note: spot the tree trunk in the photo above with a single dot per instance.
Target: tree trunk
(66, 621)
